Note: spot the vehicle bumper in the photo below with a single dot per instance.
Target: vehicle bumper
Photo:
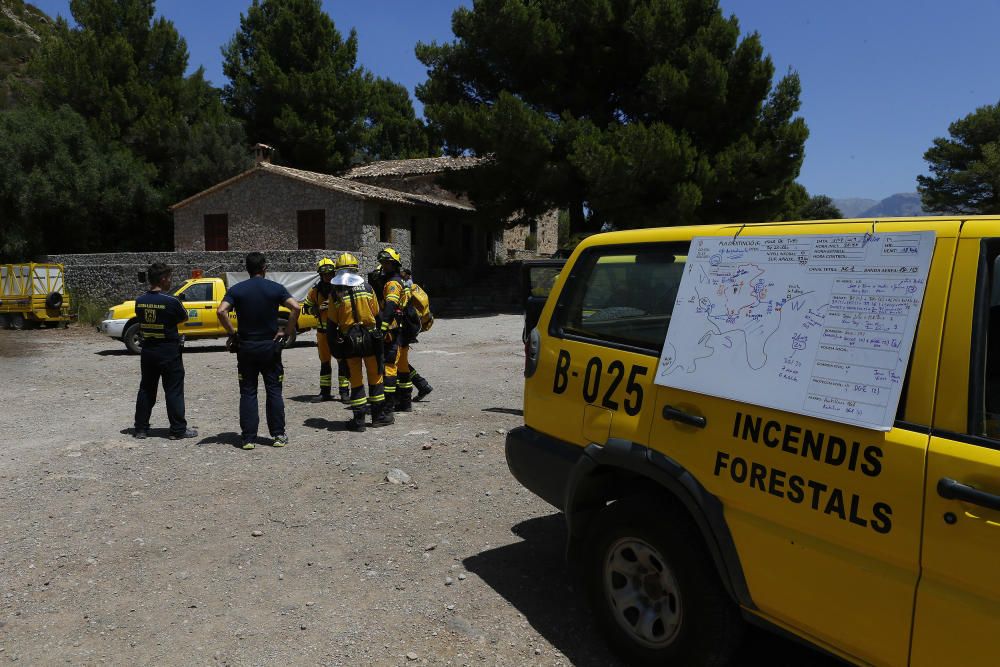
(113, 328)
(541, 463)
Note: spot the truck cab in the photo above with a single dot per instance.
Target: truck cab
(200, 297)
(690, 514)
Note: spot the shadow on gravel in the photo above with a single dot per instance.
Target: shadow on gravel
(114, 353)
(229, 438)
(321, 424)
(533, 576)
(506, 411)
(163, 433)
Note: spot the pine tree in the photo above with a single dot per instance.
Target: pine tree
(965, 168)
(629, 112)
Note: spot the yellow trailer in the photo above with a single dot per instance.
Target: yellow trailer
(33, 293)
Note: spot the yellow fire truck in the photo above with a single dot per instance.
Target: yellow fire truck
(32, 294)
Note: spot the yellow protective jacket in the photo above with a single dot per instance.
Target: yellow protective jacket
(319, 304)
(395, 296)
(342, 313)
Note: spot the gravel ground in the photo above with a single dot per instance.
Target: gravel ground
(120, 551)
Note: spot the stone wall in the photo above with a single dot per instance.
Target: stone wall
(263, 213)
(512, 245)
(111, 278)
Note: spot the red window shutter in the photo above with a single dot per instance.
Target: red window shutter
(312, 229)
(217, 231)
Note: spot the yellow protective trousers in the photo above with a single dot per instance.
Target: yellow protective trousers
(375, 387)
(397, 367)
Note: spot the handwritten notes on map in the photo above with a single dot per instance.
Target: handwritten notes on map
(818, 325)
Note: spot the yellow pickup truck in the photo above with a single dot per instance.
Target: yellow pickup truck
(201, 298)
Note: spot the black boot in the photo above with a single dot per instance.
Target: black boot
(382, 413)
(345, 395)
(357, 423)
(404, 402)
(324, 395)
(423, 387)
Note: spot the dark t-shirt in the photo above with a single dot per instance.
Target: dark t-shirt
(158, 315)
(256, 304)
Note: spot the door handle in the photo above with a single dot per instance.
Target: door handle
(953, 490)
(207, 307)
(671, 413)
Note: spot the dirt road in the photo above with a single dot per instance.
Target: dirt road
(120, 551)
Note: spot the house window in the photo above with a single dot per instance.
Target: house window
(312, 229)
(217, 231)
(413, 230)
(384, 231)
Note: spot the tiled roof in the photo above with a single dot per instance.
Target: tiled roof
(337, 184)
(415, 167)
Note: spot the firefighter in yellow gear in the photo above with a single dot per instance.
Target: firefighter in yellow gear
(317, 303)
(395, 296)
(420, 383)
(353, 315)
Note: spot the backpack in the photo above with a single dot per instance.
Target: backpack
(421, 304)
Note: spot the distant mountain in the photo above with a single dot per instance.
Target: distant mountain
(852, 207)
(900, 205)
(22, 29)
(903, 204)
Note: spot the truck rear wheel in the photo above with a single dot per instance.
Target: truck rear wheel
(654, 587)
(16, 321)
(4, 321)
(132, 338)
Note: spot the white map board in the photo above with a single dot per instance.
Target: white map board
(817, 325)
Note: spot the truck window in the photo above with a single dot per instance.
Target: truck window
(622, 295)
(196, 292)
(984, 374)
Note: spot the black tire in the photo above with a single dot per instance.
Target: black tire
(132, 338)
(4, 321)
(54, 301)
(16, 321)
(646, 558)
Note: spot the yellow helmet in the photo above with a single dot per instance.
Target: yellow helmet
(347, 261)
(389, 255)
(325, 266)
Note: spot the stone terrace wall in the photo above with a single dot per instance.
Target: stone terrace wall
(110, 278)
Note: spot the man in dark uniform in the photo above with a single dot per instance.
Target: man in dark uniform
(159, 314)
(258, 347)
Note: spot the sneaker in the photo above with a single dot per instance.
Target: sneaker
(321, 398)
(187, 433)
(248, 443)
(280, 440)
(140, 433)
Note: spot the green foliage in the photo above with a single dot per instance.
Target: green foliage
(294, 84)
(637, 113)
(799, 205)
(62, 192)
(392, 130)
(88, 311)
(965, 169)
(21, 35)
(150, 136)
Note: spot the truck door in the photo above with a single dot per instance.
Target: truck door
(537, 279)
(957, 619)
(198, 299)
(828, 547)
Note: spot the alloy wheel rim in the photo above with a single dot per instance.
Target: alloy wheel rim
(642, 593)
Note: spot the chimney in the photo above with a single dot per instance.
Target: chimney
(262, 153)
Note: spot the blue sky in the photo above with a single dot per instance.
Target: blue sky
(880, 79)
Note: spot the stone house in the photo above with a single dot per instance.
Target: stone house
(396, 202)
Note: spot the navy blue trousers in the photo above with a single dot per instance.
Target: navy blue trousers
(260, 358)
(162, 362)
